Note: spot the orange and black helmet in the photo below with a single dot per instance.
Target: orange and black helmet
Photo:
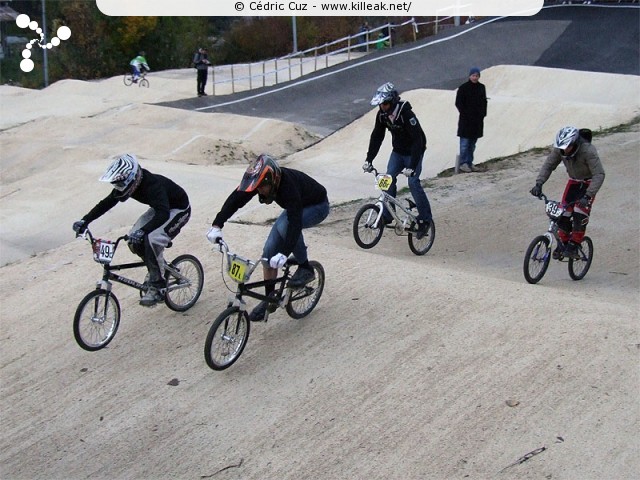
(263, 171)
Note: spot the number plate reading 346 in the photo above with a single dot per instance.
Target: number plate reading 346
(103, 251)
(384, 182)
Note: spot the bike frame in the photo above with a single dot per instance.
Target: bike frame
(280, 295)
(385, 200)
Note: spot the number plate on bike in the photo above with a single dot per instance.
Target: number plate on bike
(238, 269)
(554, 209)
(103, 250)
(384, 182)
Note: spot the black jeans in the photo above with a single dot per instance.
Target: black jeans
(202, 80)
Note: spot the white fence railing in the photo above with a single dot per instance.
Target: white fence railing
(227, 79)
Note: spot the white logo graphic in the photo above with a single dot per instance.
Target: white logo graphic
(23, 21)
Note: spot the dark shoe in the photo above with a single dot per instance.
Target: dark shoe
(151, 297)
(203, 94)
(558, 253)
(301, 277)
(572, 251)
(258, 314)
(387, 221)
(423, 228)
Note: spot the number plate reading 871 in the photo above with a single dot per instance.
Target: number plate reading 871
(103, 250)
(239, 269)
(384, 182)
(554, 210)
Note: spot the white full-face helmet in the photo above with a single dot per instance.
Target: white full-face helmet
(124, 175)
(566, 138)
(386, 93)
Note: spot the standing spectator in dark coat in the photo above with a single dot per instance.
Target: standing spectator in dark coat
(201, 62)
(471, 102)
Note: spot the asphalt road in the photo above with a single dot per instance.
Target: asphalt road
(589, 38)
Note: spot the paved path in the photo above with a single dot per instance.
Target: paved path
(590, 38)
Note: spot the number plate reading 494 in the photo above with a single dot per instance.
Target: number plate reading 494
(103, 251)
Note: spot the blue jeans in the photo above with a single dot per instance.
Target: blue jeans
(467, 147)
(311, 216)
(396, 164)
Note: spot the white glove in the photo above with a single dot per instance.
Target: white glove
(214, 234)
(408, 172)
(278, 260)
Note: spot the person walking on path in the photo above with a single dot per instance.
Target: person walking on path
(471, 102)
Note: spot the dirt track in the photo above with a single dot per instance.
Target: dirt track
(406, 369)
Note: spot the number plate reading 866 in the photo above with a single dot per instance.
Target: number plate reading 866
(103, 251)
(239, 269)
(554, 210)
(384, 182)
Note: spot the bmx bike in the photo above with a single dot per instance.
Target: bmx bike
(229, 332)
(142, 80)
(539, 252)
(97, 317)
(369, 224)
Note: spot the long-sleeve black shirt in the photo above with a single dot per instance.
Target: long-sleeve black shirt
(160, 193)
(407, 136)
(297, 190)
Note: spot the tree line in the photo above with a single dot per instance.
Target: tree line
(101, 46)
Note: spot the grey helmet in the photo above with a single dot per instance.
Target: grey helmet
(385, 93)
(565, 138)
(124, 175)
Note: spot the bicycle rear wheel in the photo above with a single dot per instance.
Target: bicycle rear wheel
(143, 83)
(96, 320)
(303, 300)
(578, 268)
(227, 338)
(424, 244)
(184, 287)
(536, 260)
(365, 233)
(127, 79)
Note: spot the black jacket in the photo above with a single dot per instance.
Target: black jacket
(297, 190)
(407, 136)
(160, 193)
(471, 102)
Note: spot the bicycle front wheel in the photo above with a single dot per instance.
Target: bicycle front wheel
(303, 300)
(579, 267)
(226, 339)
(536, 260)
(143, 83)
(365, 233)
(424, 244)
(185, 279)
(96, 320)
(127, 79)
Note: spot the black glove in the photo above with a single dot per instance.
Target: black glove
(79, 227)
(367, 166)
(137, 237)
(584, 201)
(537, 190)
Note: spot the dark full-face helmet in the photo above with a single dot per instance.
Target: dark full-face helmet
(566, 141)
(386, 93)
(124, 175)
(263, 173)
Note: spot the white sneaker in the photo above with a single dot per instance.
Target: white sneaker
(465, 168)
